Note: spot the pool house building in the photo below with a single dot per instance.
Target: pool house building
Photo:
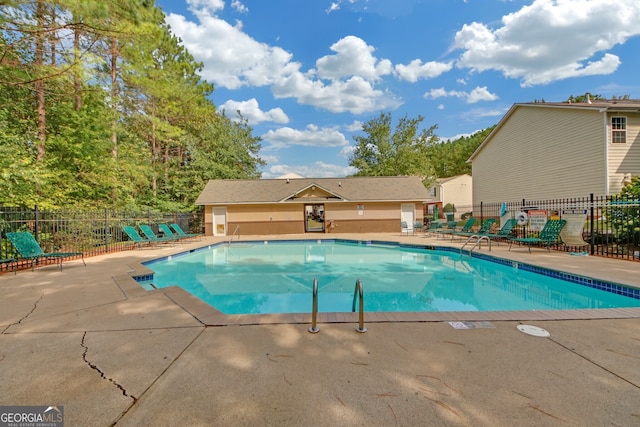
(312, 205)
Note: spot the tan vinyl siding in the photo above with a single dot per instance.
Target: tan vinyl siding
(542, 153)
(624, 158)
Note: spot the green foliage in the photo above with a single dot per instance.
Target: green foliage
(123, 119)
(623, 214)
(387, 152)
(449, 207)
(449, 158)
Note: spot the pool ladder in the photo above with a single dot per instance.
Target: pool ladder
(358, 296)
(235, 232)
(478, 242)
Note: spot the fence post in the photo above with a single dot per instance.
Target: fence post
(35, 226)
(592, 240)
(106, 229)
(481, 213)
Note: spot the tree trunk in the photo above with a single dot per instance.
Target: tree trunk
(39, 84)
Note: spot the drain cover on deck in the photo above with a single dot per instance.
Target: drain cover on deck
(533, 330)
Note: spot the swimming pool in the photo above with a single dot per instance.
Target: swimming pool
(277, 277)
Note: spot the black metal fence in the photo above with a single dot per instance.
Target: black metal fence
(611, 227)
(91, 232)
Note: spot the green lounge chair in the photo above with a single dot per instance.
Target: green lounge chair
(484, 229)
(180, 232)
(504, 232)
(466, 228)
(149, 234)
(133, 235)
(451, 227)
(549, 235)
(166, 232)
(29, 249)
(433, 228)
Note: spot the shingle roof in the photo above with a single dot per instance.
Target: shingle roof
(352, 189)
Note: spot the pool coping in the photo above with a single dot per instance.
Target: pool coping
(210, 316)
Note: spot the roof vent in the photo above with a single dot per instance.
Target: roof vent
(287, 180)
(339, 183)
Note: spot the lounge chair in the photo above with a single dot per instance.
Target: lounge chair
(180, 232)
(133, 235)
(418, 226)
(451, 227)
(166, 232)
(484, 229)
(29, 249)
(466, 228)
(504, 232)
(433, 228)
(549, 235)
(404, 228)
(149, 234)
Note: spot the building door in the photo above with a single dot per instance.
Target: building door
(408, 214)
(220, 221)
(314, 218)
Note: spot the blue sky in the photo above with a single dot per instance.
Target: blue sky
(307, 73)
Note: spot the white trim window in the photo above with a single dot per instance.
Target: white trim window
(618, 130)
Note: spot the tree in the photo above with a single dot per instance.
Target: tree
(386, 152)
(449, 158)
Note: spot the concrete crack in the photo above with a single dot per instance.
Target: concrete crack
(35, 305)
(102, 374)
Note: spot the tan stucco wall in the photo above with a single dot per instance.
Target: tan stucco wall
(285, 218)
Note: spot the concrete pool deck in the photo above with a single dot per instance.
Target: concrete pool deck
(89, 339)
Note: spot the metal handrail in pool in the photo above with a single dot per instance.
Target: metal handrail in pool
(359, 292)
(237, 230)
(314, 308)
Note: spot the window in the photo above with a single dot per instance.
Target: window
(619, 130)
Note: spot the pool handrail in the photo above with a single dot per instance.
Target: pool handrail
(314, 309)
(359, 292)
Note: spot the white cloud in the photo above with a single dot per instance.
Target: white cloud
(416, 70)
(355, 126)
(333, 7)
(476, 95)
(344, 82)
(312, 136)
(315, 170)
(251, 111)
(355, 95)
(353, 57)
(551, 40)
(238, 6)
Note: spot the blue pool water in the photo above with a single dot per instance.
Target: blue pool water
(277, 277)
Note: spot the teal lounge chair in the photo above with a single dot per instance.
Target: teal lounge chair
(504, 232)
(450, 228)
(180, 232)
(166, 232)
(133, 235)
(433, 228)
(484, 229)
(149, 234)
(466, 228)
(29, 249)
(549, 235)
